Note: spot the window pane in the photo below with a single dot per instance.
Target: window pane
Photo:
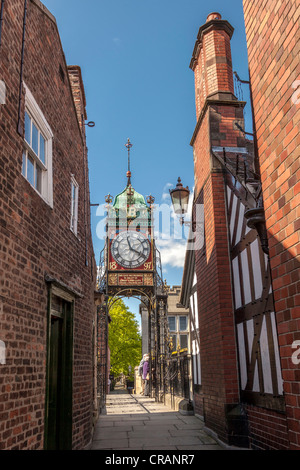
(27, 128)
(35, 139)
(73, 201)
(24, 165)
(172, 324)
(183, 341)
(30, 170)
(182, 323)
(38, 182)
(42, 149)
(72, 223)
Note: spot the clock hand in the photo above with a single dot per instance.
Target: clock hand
(138, 252)
(132, 249)
(129, 243)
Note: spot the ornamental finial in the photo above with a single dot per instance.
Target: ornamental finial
(128, 145)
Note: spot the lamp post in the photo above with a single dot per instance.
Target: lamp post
(180, 200)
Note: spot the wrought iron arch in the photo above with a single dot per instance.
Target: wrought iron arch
(124, 293)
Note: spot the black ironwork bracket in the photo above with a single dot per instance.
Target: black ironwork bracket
(255, 216)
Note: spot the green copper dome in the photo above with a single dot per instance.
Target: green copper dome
(129, 197)
(129, 205)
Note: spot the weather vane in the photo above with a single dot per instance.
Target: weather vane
(128, 145)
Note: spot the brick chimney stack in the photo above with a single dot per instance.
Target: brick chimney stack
(211, 61)
(217, 108)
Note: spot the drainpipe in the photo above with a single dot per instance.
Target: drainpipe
(2, 84)
(1, 19)
(19, 128)
(85, 188)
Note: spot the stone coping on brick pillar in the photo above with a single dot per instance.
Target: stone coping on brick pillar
(214, 21)
(212, 101)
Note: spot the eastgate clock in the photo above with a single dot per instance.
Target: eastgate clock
(130, 249)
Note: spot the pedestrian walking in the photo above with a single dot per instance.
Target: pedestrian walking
(146, 378)
(140, 373)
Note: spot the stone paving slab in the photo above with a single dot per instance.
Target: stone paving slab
(135, 422)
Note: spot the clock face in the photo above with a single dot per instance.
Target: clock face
(130, 249)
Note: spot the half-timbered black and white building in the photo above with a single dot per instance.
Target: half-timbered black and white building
(256, 331)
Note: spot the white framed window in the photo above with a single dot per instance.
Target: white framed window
(178, 322)
(74, 205)
(37, 152)
(179, 331)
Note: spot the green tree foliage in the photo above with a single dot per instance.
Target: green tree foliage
(124, 339)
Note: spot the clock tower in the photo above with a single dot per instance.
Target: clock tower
(130, 267)
(130, 245)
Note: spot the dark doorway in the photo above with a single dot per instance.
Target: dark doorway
(58, 422)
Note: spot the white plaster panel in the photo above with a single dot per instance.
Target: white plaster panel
(257, 276)
(242, 355)
(276, 351)
(246, 277)
(236, 282)
(265, 358)
(232, 218)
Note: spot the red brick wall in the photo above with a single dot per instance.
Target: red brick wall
(272, 30)
(198, 401)
(36, 239)
(217, 347)
(201, 147)
(267, 429)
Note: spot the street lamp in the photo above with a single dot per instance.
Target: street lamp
(180, 200)
(256, 220)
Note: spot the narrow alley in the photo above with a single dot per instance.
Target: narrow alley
(135, 422)
(157, 245)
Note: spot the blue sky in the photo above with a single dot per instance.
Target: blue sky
(134, 56)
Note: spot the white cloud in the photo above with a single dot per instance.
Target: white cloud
(172, 252)
(171, 237)
(172, 247)
(166, 194)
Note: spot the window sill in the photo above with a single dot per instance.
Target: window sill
(39, 194)
(75, 235)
